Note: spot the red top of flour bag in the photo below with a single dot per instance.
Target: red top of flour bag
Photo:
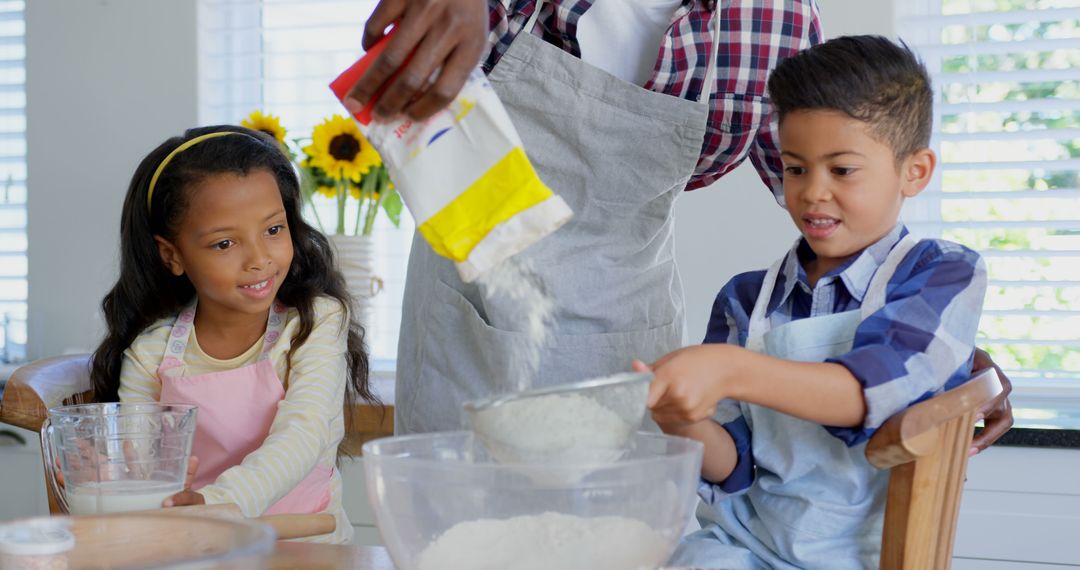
(349, 77)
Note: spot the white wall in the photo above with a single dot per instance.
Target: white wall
(106, 81)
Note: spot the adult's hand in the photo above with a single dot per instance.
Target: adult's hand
(450, 34)
(997, 413)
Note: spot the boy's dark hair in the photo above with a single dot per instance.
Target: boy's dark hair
(147, 291)
(868, 78)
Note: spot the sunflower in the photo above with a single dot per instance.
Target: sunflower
(268, 124)
(338, 148)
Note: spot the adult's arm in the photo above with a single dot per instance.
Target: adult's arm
(445, 37)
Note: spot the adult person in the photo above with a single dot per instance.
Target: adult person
(621, 106)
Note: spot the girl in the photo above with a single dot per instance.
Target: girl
(217, 271)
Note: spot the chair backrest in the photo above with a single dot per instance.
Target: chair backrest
(42, 384)
(926, 448)
(34, 388)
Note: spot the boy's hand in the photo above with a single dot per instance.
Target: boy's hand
(688, 384)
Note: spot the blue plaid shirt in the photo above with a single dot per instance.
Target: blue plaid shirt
(919, 344)
(753, 36)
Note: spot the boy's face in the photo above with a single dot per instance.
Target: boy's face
(843, 187)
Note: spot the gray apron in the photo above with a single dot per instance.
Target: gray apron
(618, 155)
(815, 502)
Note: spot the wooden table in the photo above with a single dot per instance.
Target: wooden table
(300, 555)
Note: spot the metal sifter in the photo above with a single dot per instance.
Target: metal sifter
(589, 421)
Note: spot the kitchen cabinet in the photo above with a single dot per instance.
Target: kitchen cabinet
(22, 482)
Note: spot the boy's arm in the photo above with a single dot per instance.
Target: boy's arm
(821, 392)
(824, 393)
(903, 353)
(922, 341)
(728, 463)
(720, 453)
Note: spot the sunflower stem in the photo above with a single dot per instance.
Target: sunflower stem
(307, 190)
(342, 193)
(365, 195)
(381, 178)
(360, 211)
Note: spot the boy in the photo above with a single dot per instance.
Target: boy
(857, 322)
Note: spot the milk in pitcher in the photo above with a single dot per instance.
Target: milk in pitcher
(119, 496)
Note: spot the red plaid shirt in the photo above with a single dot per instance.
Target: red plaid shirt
(753, 37)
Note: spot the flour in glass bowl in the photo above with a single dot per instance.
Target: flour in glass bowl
(548, 541)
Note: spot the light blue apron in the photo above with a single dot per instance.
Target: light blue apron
(815, 503)
(619, 155)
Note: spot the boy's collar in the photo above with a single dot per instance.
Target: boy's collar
(855, 272)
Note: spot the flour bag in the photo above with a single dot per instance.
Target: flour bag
(463, 174)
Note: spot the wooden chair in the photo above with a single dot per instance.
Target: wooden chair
(34, 388)
(926, 449)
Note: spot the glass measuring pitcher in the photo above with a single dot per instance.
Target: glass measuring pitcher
(117, 457)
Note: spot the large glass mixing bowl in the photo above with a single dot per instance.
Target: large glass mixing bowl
(442, 502)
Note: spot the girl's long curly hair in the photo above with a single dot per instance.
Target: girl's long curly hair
(146, 291)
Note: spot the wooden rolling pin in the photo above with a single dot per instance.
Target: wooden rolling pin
(286, 526)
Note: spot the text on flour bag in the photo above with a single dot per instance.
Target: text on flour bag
(463, 174)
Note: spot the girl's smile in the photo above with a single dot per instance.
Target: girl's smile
(259, 290)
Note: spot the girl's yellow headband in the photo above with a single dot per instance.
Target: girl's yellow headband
(186, 145)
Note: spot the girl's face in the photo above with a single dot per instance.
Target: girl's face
(233, 244)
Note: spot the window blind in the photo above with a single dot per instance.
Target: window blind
(279, 56)
(13, 262)
(1007, 134)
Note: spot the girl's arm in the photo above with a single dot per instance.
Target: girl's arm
(308, 426)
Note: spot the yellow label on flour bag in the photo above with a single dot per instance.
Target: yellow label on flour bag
(463, 175)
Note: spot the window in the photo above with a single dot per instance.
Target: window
(13, 263)
(1007, 133)
(279, 56)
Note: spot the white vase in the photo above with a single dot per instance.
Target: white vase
(355, 257)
